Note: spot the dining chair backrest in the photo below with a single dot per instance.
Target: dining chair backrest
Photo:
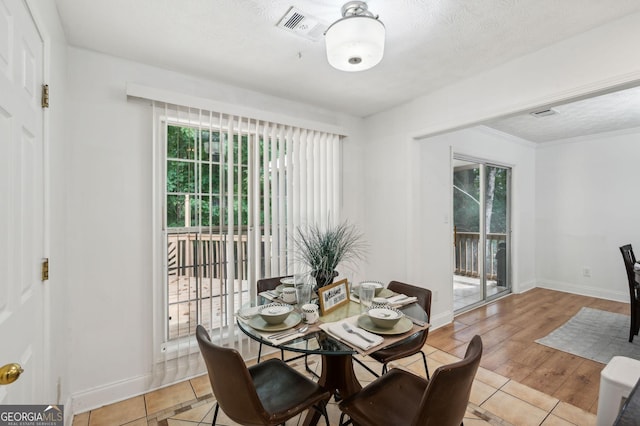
(230, 380)
(629, 260)
(422, 295)
(265, 284)
(447, 395)
(634, 290)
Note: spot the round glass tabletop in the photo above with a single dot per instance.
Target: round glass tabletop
(318, 341)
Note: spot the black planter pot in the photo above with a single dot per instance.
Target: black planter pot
(323, 278)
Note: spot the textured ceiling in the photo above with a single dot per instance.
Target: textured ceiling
(429, 43)
(605, 113)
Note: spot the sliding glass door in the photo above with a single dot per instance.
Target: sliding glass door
(481, 195)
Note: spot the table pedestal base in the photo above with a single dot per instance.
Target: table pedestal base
(337, 375)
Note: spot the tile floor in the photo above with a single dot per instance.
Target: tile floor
(495, 400)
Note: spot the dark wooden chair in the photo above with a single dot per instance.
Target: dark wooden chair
(266, 284)
(414, 344)
(268, 393)
(634, 289)
(402, 398)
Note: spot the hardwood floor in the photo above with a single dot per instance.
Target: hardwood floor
(509, 328)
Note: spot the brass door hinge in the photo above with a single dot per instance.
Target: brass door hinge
(45, 269)
(45, 96)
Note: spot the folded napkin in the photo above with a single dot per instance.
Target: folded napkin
(636, 266)
(401, 300)
(269, 294)
(248, 313)
(338, 330)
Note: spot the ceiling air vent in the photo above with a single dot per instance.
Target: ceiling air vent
(543, 112)
(302, 24)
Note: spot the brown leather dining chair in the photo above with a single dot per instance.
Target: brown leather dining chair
(412, 345)
(634, 290)
(268, 393)
(402, 398)
(265, 284)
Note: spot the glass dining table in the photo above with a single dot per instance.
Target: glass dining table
(337, 374)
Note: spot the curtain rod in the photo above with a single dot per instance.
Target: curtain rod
(134, 90)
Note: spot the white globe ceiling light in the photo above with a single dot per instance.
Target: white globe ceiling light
(356, 41)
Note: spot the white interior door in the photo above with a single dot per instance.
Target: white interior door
(21, 203)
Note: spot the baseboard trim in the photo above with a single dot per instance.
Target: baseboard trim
(139, 385)
(600, 293)
(440, 320)
(523, 287)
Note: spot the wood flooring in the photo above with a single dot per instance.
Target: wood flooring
(509, 328)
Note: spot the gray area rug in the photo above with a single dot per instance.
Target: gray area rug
(596, 335)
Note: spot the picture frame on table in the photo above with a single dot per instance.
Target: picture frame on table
(333, 296)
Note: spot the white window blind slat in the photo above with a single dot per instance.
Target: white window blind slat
(244, 187)
(279, 216)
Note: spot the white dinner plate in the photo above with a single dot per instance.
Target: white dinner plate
(291, 321)
(288, 281)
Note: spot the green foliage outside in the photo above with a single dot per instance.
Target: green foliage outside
(466, 196)
(196, 177)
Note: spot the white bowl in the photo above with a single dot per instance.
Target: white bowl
(275, 313)
(384, 316)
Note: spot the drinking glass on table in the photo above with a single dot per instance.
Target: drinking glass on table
(303, 293)
(366, 293)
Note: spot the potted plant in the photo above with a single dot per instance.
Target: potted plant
(323, 249)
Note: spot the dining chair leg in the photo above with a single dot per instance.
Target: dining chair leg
(426, 369)
(366, 367)
(321, 407)
(342, 423)
(306, 366)
(215, 415)
(259, 352)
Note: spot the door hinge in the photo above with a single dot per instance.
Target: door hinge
(45, 269)
(45, 96)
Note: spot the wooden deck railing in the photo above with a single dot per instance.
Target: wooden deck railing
(192, 254)
(466, 254)
(197, 267)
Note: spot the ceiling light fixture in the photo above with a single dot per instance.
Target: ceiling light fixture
(355, 42)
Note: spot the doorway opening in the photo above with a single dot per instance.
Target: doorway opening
(481, 232)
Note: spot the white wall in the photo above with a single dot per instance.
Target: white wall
(588, 206)
(410, 223)
(407, 192)
(436, 201)
(109, 211)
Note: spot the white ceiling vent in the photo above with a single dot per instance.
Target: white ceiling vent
(302, 24)
(543, 112)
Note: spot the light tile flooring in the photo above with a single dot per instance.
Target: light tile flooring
(495, 400)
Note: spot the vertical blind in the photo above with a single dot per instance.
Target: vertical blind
(233, 191)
